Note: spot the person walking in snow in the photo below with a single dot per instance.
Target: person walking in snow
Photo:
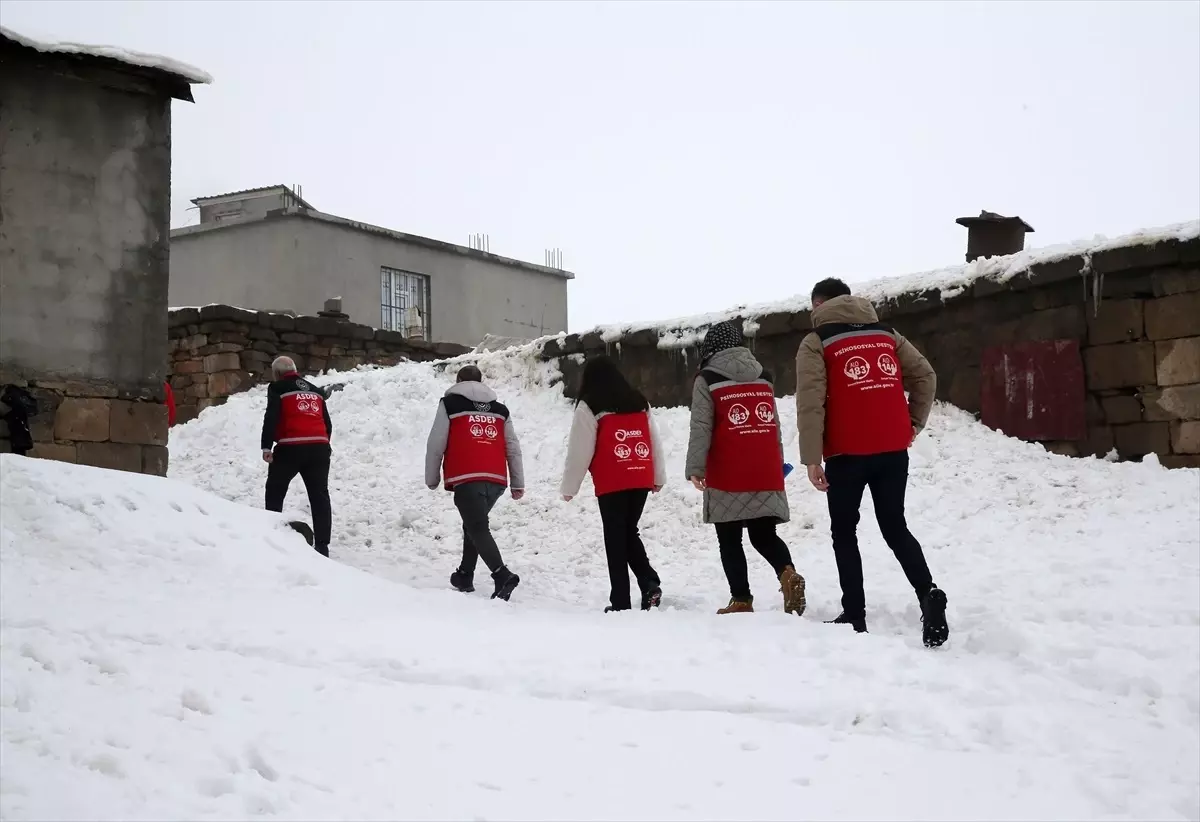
(474, 441)
(614, 437)
(851, 374)
(735, 456)
(297, 424)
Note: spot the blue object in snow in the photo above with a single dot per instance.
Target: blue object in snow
(787, 469)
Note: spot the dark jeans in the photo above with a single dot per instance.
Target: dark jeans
(620, 512)
(887, 477)
(474, 501)
(733, 558)
(311, 462)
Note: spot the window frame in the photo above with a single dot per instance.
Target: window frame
(396, 290)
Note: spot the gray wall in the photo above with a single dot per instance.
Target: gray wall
(85, 175)
(295, 263)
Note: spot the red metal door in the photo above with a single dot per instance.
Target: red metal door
(1035, 390)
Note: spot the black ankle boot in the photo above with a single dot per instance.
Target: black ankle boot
(934, 630)
(651, 598)
(460, 580)
(505, 581)
(859, 623)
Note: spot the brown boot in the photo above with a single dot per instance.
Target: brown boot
(792, 585)
(738, 606)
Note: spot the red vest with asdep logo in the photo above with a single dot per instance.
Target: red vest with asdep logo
(744, 454)
(866, 411)
(475, 447)
(301, 413)
(623, 459)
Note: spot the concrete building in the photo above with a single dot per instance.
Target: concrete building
(268, 249)
(85, 193)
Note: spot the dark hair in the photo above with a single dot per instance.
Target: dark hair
(604, 388)
(830, 288)
(469, 373)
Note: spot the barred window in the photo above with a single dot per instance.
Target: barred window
(405, 302)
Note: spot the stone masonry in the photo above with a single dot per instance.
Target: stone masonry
(1134, 311)
(219, 350)
(95, 423)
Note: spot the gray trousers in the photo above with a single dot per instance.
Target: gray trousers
(474, 501)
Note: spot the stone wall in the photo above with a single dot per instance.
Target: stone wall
(218, 350)
(85, 165)
(95, 423)
(1135, 312)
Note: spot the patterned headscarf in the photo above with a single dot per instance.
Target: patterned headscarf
(720, 337)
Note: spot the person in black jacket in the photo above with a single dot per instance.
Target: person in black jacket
(297, 423)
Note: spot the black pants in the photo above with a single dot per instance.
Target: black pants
(733, 558)
(474, 501)
(311, 462)
(620, 512)
(887, 477)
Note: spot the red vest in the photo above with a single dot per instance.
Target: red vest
(866, 411)
(624, 456)
(475, 447)
(744, 455)
(301, 413)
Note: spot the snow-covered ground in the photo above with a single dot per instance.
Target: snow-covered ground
(170, 650)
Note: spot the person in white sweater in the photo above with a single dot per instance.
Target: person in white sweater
(613, 436)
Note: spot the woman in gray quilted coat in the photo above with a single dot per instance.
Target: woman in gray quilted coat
(735, 456)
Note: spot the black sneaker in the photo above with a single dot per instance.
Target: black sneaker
(651, 598)
(858, 623)
(506, 581)
(612, 609)
(934, 630)
(460, 581)
(323, 550)
(303, 530)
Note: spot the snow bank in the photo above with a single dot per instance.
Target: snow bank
(686, 331)
(170, 651)
(133, 58)
(1075, 607)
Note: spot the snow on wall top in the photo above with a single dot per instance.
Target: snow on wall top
(133, 58)
(950, 282)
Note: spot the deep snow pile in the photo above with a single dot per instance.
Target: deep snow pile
(168, 654)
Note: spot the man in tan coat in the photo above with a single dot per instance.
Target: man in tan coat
(852, 373)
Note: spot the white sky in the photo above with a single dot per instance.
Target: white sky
(686, 156)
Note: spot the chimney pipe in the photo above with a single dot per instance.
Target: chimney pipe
(994, 235)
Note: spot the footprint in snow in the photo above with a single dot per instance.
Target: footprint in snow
(195, 701)
(106, 764)
(215, 786)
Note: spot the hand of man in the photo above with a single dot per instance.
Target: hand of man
(517, 493)
(268, 456)
(567, 497)
(914, 437)
(698, 483)
(816, 475)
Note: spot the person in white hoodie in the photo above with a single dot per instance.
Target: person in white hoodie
(473, 440)
(614, 437)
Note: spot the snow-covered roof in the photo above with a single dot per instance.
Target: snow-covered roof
(950, 282)
(133, 58)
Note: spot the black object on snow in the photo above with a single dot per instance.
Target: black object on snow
(21, 406)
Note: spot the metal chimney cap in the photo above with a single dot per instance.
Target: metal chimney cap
(992, 218)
